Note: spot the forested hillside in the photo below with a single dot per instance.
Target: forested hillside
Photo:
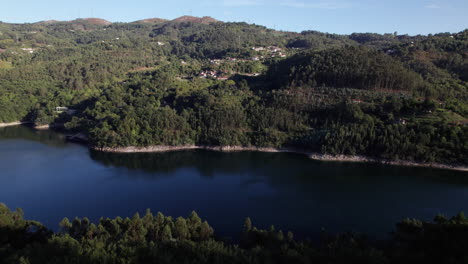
(205, 82)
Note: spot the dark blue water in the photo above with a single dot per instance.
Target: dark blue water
(51, 179)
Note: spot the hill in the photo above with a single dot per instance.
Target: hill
(94, 21)
(151, 20)
(200, 20)
(103, 22)
(198, 81)
(47, 22)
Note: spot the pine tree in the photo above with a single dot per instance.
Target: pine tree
(182, 231)
(206, 231)
(166, 234)
(65, 225)
(247, 225)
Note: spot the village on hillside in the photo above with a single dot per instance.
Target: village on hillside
(261, 55)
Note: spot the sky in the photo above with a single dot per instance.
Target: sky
(334, 16)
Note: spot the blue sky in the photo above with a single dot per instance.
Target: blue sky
(334, 16)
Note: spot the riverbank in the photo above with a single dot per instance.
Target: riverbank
(311, 155)
(81, 138)
(38, 127)
(16, 123)
(350, 158)
(49, 126)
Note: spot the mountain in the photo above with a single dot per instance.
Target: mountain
(200, 20)
(94, 21)
(48, 22)
(151, 21)
(197, 81)
(103, 22)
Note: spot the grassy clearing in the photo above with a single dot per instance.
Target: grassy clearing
(5, 65)
(441, 115)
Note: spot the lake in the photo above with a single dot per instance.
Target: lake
(51, 179)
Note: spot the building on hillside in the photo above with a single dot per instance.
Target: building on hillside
(401, 121)
(258, 48)
(216, 61)
(206, 74)
(30, 50)
(61, 108)
(65, 109)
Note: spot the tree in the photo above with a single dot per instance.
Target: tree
(65, 225)
(247, 225)
(181, 229)
(166, 234)
(206, 231)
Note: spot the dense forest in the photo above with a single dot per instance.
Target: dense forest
(198, 81)
(162, 239)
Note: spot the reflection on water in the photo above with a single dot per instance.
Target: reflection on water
(277, 165)
(51, 179)
(47, 137)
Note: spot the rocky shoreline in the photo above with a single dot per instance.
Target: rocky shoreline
(311, 155)
(38, 127)
(81, 138)
(49, 126)
(16, 123)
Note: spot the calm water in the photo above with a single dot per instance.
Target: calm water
(51, 179)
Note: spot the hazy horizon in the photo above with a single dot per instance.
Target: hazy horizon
(169, 19)
(417, 17)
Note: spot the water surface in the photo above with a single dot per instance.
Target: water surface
(51, 179)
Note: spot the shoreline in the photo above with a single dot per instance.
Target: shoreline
(38, 127)
(311, 155)
(49, 126)
(16, 123)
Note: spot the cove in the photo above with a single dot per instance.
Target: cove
(51, 179)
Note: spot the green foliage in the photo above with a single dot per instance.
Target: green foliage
(216, 40)
(159, 239)
(138, 84)
(353, 67)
